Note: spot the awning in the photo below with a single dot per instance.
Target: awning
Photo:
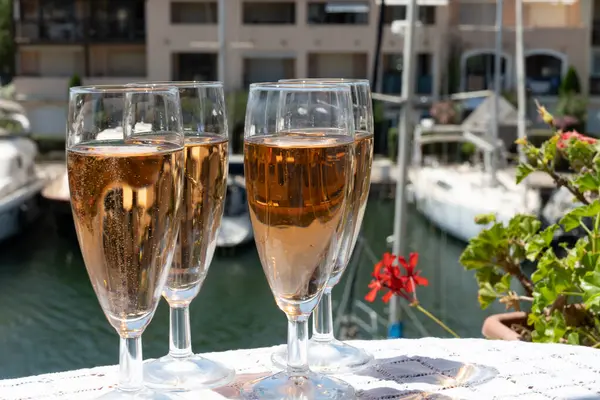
(347, 8)
(419, 2)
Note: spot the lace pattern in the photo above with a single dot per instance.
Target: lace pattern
(430, 368)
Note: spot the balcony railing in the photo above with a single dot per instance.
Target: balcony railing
(40, 31)
(79, 30)
(113, 29)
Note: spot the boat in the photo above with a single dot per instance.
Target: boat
(452, 196)
(236, 227)
(13, 114)
(20, 185)
(235, 230)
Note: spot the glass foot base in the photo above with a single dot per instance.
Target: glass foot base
(145, 394)
(332, 357)
(282, 386)
(184, 374)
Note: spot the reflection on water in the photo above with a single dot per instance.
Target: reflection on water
(50, 319)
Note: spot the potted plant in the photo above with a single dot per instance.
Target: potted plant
(560, 301)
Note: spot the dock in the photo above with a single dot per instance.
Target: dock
(383, 174)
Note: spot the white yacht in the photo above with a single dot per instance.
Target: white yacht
(451, 196)
(19, 185)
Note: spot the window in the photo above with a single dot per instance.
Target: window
(269, 13)
(395, 13)
(58, 10)
(338, 13)
(477, 14)
(268, 69)
(194, 13)
(28, 10)
(595, 70)
(194, 66)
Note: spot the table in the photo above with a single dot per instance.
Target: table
(429, 368)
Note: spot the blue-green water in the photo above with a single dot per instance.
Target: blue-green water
(50, 319)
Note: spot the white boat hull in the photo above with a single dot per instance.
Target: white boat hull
(19, 209)
(451, 198)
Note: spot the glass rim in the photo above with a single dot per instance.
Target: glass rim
(352, 82)
(179, 84)
(300, 87)
(120, 89)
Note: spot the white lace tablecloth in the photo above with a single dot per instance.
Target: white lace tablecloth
(440, 369)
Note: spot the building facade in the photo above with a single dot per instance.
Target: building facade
(117, 41)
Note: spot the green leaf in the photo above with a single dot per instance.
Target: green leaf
(523, 171)
(573, 218)
(548, 149)
(476, 255)
(486, 295)
(484, 219)
(573, 338)
(548, 266)
(556, 328)
(587, 182)
(503, 287)
(589, 260)
(540, 242)
(590, 284)
(494, 235)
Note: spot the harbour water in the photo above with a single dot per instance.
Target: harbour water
(50, 319)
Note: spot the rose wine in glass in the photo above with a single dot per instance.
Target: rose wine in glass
(298, 163)
(325, 353)
(204, 190)
(125, 170)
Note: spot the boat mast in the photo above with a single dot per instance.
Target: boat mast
(520, 59)
(222, 67)
(493, 162)
(404, 138)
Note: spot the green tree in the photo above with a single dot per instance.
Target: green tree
(570, 84)
(7, 44)
(74, 81)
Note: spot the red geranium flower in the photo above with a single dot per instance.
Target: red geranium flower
(413, 279)
(572, 136)
(388, 276)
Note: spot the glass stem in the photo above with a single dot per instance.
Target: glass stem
(180, 337)
(131, 372)
(323, 318)
(297, 354)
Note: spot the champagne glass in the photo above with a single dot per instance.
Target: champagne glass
(204, 189)
(298, 162)
(125, 170)
(325, 353)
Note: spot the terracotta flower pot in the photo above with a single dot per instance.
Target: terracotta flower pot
(498, 326)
